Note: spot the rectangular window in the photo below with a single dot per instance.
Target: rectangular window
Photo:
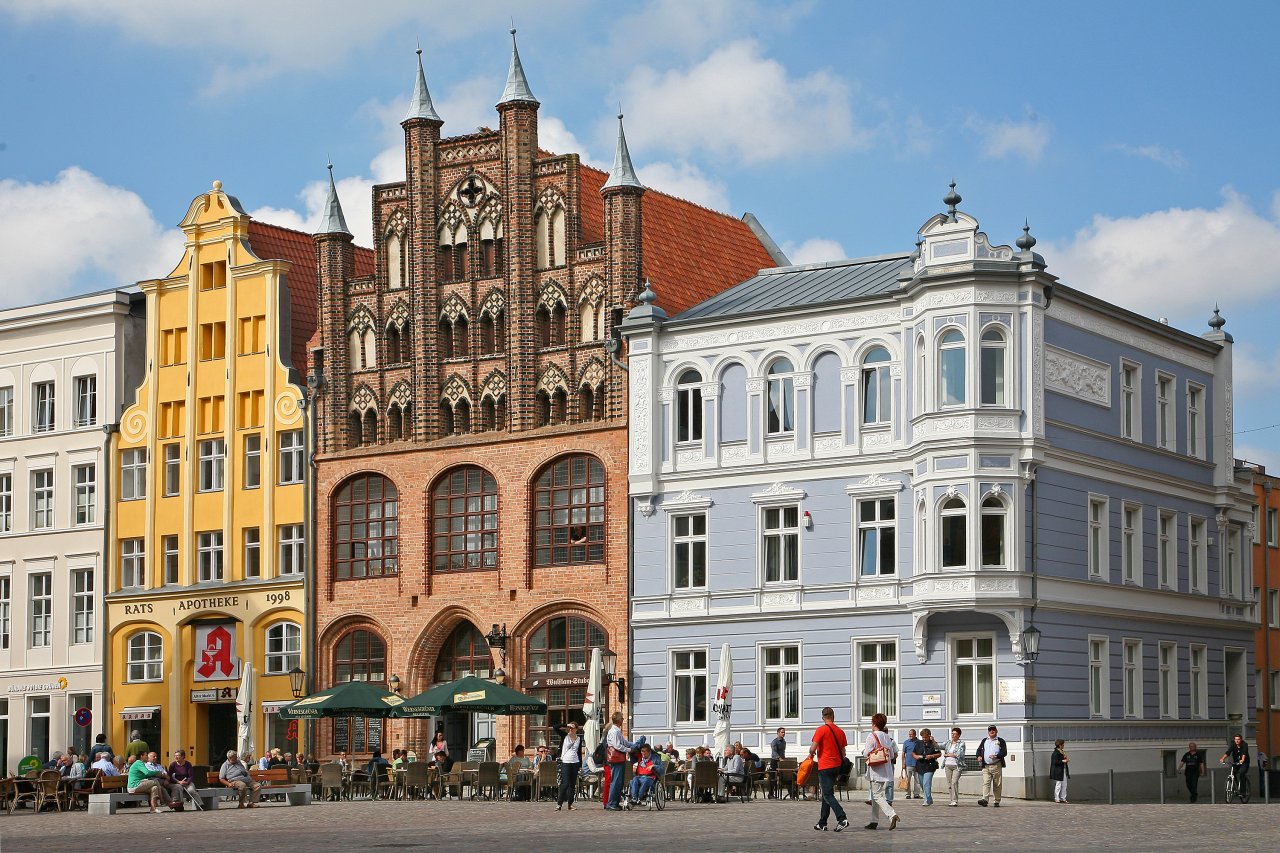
(6, 503)
(133, 564)
(1199, 683)
(1275, 689)
(211, 413)
(212, 453)
(170, 559)
(781, 666)
(877, 679)
(133, 474)
(213, 275)
(1131, 544)
(689, 410)
(1273, 528)
(1195, 420)
(252, 552)
(1130, 413)
(173, 346)
(781, 544)
(877, 537)
(689, 687)
(209, 555)
(1099, 551)
(291, 457)
(1133, 678)
(213, 341)
(689, 551)
(1169, 681)
(252, 338)
(1166, 427)
(173, 419)
(82, 606)
(1099, 677)
(6, 410)
(252, 461)
(42, 407)
(41, 610)
(85, 481)
(1230, 582)
(42, 499)
(172, 469)
(5, 611)
(1167, 550)
(250, 405)
(973, 670)
(293, 552)
(86, 400)
(1197, 577)
(1273, 608)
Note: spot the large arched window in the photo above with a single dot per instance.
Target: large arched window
(464, 520)
(366, 541)
(395, 262)
(146, 654)
(360, 656)
(284, 647)
(994, 515)
(877, 388)
(465, 652)
(780, 405)
(951, 369)
(569, 512)
(952, 528)
(993, 367)
(689, 406)
(562, 644)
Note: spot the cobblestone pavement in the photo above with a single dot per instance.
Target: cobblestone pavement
(757, 826)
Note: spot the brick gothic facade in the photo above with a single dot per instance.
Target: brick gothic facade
(472, 362)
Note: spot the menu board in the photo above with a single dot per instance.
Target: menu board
(367, 734)
(374, 735)
(342, 734)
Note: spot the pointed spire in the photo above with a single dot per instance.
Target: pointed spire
(420, 105)
(623, 173)
(333, 222)
(517, 86)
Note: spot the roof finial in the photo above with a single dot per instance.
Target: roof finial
(647, 296)
(420, 105)
(1217, 321)
(623, 173)
(517, 88)
(332, 221)
(1026, 241)
(952, 199)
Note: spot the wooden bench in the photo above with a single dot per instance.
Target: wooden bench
(273, 778)
(110, 794)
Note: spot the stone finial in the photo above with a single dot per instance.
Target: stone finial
(951, 200)
(332, 221)
(420, 105)
(1217, 321)
(623, 173)
(647, 295)
(517, 88)
(1026, 242)
(217, 186)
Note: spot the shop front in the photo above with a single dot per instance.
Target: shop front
(43, 713)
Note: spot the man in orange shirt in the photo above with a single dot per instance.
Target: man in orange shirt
(828, 745)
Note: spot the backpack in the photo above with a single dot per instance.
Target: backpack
(600, 753)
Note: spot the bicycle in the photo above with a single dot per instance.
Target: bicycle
(1237, 786)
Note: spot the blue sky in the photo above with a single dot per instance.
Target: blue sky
(1137, 137)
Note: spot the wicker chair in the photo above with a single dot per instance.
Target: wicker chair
(488, 778)
(547, 781)
(787, 768)
(417, 780)
(47, 790)
(516, 781)
(706, 777)
(84, 786)
(677, 782)
(331, 781)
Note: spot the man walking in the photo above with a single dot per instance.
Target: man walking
(619, 749)
(1192, 767)
(991, 755)
(570, 764)
(909, 764)
(829, 743)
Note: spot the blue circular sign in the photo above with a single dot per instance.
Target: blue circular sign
(83, 717)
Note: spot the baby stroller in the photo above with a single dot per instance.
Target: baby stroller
(656, 798)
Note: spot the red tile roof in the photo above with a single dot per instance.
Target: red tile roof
(691, 252)
(271, 242)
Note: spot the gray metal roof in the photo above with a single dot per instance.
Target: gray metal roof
(805, 286)
(332, 221)
(517, 88)
(623, 173)
(420, 105)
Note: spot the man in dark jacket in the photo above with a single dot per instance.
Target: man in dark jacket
(992, 752)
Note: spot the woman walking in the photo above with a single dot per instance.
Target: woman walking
(927, 752)
(953, 764)
(1058, 771)
(881, 753)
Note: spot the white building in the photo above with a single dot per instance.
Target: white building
(66, 369)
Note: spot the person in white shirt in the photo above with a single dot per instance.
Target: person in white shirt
(106, 765)
(991, 754)
(732, 771)
(953, 764)
(880, 776)
(617, 760)
(570, 764)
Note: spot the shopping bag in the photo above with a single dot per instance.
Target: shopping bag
(805, 771)
(902, 783)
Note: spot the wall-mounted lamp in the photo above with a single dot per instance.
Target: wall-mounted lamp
(808, 520)
(610, 661)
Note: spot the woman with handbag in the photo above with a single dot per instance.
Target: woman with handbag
(1058, 771)
(927, 752)
(953, 764)
(881, 752)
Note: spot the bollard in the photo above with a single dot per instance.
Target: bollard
(1213, 788)
(1160, 782)
(1111, 787)
(1266, 788)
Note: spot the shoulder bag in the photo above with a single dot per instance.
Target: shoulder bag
(846, 766)
(879, 755)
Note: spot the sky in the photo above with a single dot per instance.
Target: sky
(1137, 138)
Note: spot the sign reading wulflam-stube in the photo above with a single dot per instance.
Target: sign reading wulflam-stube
(216, 658)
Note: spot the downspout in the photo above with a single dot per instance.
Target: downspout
(1267, 698)
(1035, 560)
(310, 399)
(108, 529)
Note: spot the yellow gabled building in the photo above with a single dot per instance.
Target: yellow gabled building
(207, 489)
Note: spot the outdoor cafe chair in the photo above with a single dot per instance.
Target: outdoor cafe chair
(548, 773)
(518, 779)
(417, 780)
(331, 780)
(706, 776)
(488, 778)
(47, 790)
(677, 783)
(360, 782)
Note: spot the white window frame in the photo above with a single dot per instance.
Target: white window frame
(876, 383)
(171, 555)
(251, 537)
(1273, 608)
(85, 399)
(1006, 546)
(133, 474)
(781, 670)
(1130, 400)
(689, 430)
(1197, 554)
(1199, 665)
(42, 499)
(6, 610)
(784, 382)
(921, 379)
(40, 613)
(82, 606)
(212, 464)
(1099, 541)
(133, 563)
(84, 484)
(44, 403)
(6, 411)
(943, 347)
(876, 525)
(1167, 549)
(291, 553)
(251, 476)
(292, 464)
(1002, 348)
(6, 502)
(1131, 662)
(1196, 444)
(1229, 579)
(954, 662)
(1099, 654)
(1272, 522)
(1168, 662)
(692, 672)
(210, 563)
(1131, 568)
(880, 666)
(1275, 689)
(1166, 390)
(284, 647)
(172, 469)
(693, 542)
(782, 533)
(945, 513)
(149, 664)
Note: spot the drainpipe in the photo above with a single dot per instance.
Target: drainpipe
(1030, 706)
(310, 399)
(108, 524)
(1267, 698)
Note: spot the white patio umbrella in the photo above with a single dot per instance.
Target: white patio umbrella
(723, 703)
(244, 710)
(592, 707)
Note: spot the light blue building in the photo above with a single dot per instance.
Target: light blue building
(879, 479)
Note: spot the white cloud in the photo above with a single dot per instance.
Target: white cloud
(356, 195)
(1177, 260)
(737, 103)
(815, 250)
(1166, 157)
(77, 233)
(1026, 139)
(685, 29)
(555, 136)
(1256, 373)
(1265, 455)
(685, 180)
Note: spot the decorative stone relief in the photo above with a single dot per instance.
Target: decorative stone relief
(1129, 335)
(688, 605)
(849, 375)
(456, 389)
(287, 408)
(782, 448)
(735, 452)
(877, 440)
(875, 483)
(647, 509)
(135, 424)
(1077, 376)
(1037, 373)
(363, 399)
(875, 593)
(755, 386)
(687, 456)
(780, 599)
(687, 500)
(952, 585)
(666, 395)
(710, 390)
(803, 380)
(960, 424)
(989, 422)
(997, 586)
(827, 445)
(779, 492)
(640, 417)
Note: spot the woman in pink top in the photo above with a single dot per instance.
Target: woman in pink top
(438, 745)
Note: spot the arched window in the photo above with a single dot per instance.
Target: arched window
(445, 338)
(559, 405)
(447, 424)
(360, 656)
(921, 379)
(493, 336)
(587, 321)
(569, 512)
(780, 406)
(284, 647)
(366, 539)
(395, 422)
(542, 322)
(355, 430)
(465, 652)
(464, 520)
(877, 388)
(370, 429)
(689, 406)
(462, 417)
(542, 239)
(395, 262)
(951, 369)
(994, 516)
(921, 537)
(490, 250)
(461, 342)
(562, 644)
(953, 526)
(488, 414)
(543, 402)
(557, 237)
(146, 655)
(394, 353)
(586, 403)
(444, 256)
(363, 348)
(460, 254)
(993, 367)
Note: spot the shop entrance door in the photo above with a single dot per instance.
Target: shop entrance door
(222, 726)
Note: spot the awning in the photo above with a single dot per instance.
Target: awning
(273, 707)
(142, 713)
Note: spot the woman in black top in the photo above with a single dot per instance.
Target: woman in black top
(927, 752)
(1058, 771)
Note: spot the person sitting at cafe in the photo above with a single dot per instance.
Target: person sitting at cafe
(344, 763)
(377, 766)
(181, 774)
(732, 772)
(443, 762)
(276, 759)
(121, 764)
(75, 766)
(519, 758)
(396, 758)
(646, 773)
(235, 776)
(137, 747)
(105, 765)
(152, 782)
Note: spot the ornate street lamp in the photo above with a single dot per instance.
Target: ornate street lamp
(297, 682)
(497, 639)
(610, 660)
(394, 684)
(1031, 644)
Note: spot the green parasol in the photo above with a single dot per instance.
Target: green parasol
(470, 693)
(349, 699)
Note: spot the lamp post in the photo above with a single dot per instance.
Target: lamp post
(305, 682)
(497, 639)
(297, 682)
(610, 660)
(1030, 654)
